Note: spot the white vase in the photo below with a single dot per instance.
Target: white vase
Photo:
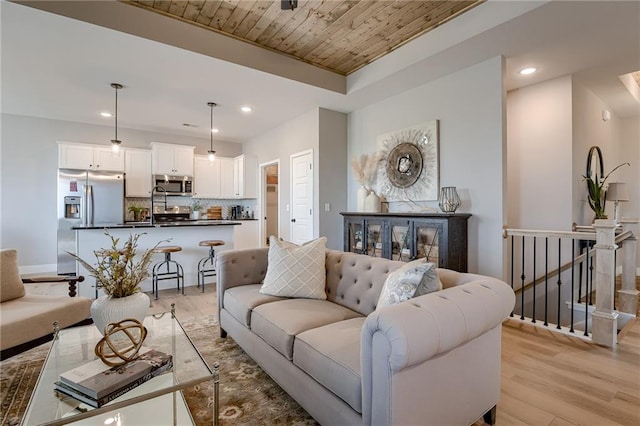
(362, 196)
(106, 309)
(372, 203)
(195, 215)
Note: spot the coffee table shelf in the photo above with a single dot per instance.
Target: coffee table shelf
(157, 401)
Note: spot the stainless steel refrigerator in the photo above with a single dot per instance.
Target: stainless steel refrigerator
(85, 198)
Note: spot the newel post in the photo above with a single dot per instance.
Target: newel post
(605, 319)
(628, 294)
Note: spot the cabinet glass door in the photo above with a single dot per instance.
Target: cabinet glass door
(400, 235)
(356, 237)
(427, 241)
(374, 239)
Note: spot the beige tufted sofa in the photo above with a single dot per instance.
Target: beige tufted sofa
(434, 359)
(26, 320)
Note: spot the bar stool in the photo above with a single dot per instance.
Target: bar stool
(203, 270)
(177, 275)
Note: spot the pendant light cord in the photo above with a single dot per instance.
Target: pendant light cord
(211, 129)
(115, 142)
(116, 138)
(211, 151)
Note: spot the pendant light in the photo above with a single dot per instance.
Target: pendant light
(211, 152)
(115, 142)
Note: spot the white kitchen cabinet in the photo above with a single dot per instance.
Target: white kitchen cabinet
(245, 176)
(171, 159)
(206, 177)
(137, 168)
(89, 157)
(246, 235)
(226, 177)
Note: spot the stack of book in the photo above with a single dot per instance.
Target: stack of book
(96, 384)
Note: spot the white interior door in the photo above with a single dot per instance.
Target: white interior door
(301, 229)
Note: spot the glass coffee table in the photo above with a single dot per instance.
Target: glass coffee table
(158, 401)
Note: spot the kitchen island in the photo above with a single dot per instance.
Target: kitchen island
(186, 234)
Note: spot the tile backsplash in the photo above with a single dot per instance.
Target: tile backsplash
(249, 205)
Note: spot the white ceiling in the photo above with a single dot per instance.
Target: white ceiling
(61, 68)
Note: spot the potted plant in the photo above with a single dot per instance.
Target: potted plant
(137, 212)
(195, 209)
(119, 274)
(596, 192)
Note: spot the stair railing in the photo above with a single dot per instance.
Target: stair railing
(599, 243)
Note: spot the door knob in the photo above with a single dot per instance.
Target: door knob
(293, 220)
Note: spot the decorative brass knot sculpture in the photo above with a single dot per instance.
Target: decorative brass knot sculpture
(121, 349)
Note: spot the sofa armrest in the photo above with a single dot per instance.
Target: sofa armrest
(239, 267)
(72, 280)
(407, 336)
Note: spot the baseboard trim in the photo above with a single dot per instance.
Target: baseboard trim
(39, 269)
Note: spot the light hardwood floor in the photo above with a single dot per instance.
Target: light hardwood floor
(194, 303)
(547, 378)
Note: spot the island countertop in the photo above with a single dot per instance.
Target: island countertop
(185, 234)
(124, 225)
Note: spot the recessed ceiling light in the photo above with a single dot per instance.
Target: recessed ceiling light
(527, 71)
(214, 130)
(105, 114)
(246, 109)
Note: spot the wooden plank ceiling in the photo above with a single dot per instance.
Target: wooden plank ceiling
(338, 35)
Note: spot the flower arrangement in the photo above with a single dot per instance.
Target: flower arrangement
(365, 169)
(597, 192)
(116, 272)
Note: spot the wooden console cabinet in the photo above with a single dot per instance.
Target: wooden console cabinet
(440, 237)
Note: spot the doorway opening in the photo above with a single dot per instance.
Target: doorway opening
(270, 201)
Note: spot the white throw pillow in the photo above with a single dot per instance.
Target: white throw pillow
(413, 279)
(296, 271)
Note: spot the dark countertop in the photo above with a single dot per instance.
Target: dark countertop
(204, 222)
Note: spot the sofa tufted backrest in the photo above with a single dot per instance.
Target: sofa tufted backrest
(355, 280)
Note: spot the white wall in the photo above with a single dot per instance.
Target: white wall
(630, 137)
(469, 105)
(619, 140)
(332, 176)
(630, 141)
(539, 172)
(551, 126)
(590, 129)
(28, 170)
(298, 134)
(324, 132)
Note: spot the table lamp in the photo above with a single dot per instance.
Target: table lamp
(616, 192)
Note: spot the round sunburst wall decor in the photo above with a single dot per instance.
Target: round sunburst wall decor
(408, 170)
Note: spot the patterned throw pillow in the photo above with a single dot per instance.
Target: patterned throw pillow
(296, 271)
(413, 279)
(430, 281)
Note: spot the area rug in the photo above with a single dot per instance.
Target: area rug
(248, 396)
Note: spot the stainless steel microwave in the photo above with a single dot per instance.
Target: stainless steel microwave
(174, 185)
